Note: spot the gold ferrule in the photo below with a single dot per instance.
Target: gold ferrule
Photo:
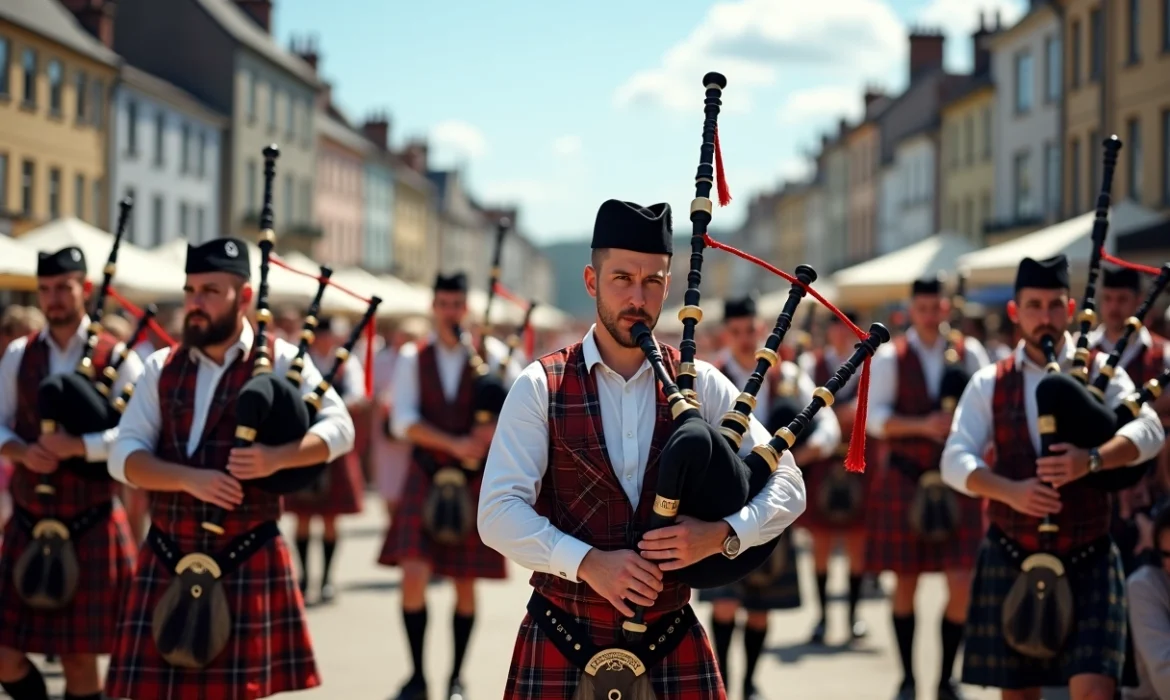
(308, 335)
(1081, 373)
(243, 432)
(666, 507)
(264, 316)
(110, 269)
(482, 417)
(769, 454)
(787, 436)
(310, 321)
(1052, 367)
(268, 235)
(45, 489)
(1154, 388)
(735, 417)
(513, 342)
(824, 395)
(263, 366)
(1108, 370)
(102, 389)
(322, 386)
(342, 354)
(110, 373)
(313, 400)
(701, 204)
(1046, 424)
(955, 336)
(631, 626)
(212, 528)
(949, 404)
(1082, 355)
(123, 353)
(951, 356)
(692, 397)
(690, 312)
(86, 367)
(679, 405)
(496, 271)
(1048, 527)
(128, 390)
(687, 369)
(295, 376)
(48, 427)
(1134, 323)
(1087, 316)
(120, 404)
(1097, 392)
(1132, 406)
(733, 436)
(748, 399)
(768, 355)
(94, 328)
(707, 180)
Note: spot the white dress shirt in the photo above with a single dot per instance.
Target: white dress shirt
(451, 363)
(61, 361)
(973, 428)
(1138, 344)
(1148, 591)
(883, 374)
(142, 421)
(826, 430)
(518, 460)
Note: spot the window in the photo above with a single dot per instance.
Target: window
(183, 230)
(969, 137)
(202, 160)
(97, 202)
(1133, 31)
(987, 133)
(56, 77)
(3, 182)
(82, 81)
(272, 107)
(1053, 69)
(98, 102)
(1091, 150)
(1134, 146)
(1023, 186)
(1165, 159)
(1075, 58)
(54, 193)
(250, 179)
(199, 224)
(1096, 45)
(27, 174)
(160, 125)
(985, 212)
(250, 95)
(157, 221)
(29, 62)
(1074, 177)
(5, 48)
(184, 148)
(79, 196)
(132, 128)
(290, 114)
(1052, 179)
(1024, 82)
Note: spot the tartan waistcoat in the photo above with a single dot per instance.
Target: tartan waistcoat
(179, 513)
(74, 494)
(454, 418)
(581, 494)
(913, 399)
(1085, 511)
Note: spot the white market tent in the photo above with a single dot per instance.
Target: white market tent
(18, 265)
(399, 299)
(888, 278)
(997, 264)
(545, 317)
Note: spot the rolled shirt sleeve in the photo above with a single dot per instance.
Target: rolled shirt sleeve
(971, 431)
(142, 419)
(1145, 431)
(9, 371)
(97, 445)
(405, 391)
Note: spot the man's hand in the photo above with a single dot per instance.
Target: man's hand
(1033, 497)
(255, 462)
(1066, 464)
(39, 460)
(468, 449)
(214, 487)
(684, 543)
(937, 426)
(621, 576)
(62, 445)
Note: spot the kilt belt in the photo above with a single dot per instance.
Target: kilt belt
(660, 639)
(1077, 558)
(228, 559)
(78, 525)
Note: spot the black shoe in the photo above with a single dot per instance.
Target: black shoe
(750, 693)
(455, 691)
(906, 691)
(859, 630)
(818, 635)
(949, 691)
(328, 593)
(415, 689)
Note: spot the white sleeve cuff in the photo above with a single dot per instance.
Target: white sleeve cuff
(955, 472)
(566, 558)
(1140, 433)
(97, 445)
(334, 438)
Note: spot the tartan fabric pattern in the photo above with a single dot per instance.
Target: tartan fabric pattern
(539, 671)
(581, 494)
(781, 594)
(346, 482)
(74, 494)
(1096, 644)
(892, 545)
(407, 538)
(270, 650)
(1085, 514)
(105, 555)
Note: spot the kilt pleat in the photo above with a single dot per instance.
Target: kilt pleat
(346, 489)
(269, 652)
(1096, 644)
(782, 593)
(407, 539)
(540, 672)
(105, 557)
(891, 544)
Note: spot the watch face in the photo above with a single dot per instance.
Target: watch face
(731, 546)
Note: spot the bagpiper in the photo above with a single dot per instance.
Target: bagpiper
(907, 412)
(99, 529)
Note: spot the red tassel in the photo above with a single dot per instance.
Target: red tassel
(371, 335)
(720, 179)
(855, 459)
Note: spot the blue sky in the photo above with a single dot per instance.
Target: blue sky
(557, 106)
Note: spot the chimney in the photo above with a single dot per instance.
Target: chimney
(982, 55)
(377, 130)
(926, 51)
(260, 11)
(872, 94)
(307, 50)
(415, 155)
(96, 16)
(843, 126)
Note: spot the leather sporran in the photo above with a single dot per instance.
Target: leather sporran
(1038, 613)
(774, 566)
(614, 674)
(934, 510)
(192, 622)
(839, 498)
(46, 573)
(448, 515)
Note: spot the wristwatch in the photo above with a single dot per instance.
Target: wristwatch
(1095, 461)
(731, 546)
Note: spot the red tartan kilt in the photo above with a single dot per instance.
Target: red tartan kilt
(892, 546)
(106, 558)
(407, 540)
(346, 488)
(269, 651)
(814, 479)
(540, 672)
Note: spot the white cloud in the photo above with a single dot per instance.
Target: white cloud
(822, 103)
(568, 145)
(458, 141)
(795, 169)
(753, 42)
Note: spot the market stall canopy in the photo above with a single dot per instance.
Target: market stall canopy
(997, 264)
(141, 275)
(18, 265)
(887, 279)
(544, 318)
(399, 299)
(770, 305)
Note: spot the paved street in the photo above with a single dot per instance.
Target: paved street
(363, 655)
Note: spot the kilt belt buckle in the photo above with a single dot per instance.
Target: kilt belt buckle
(46, 573)
(192, 622)
(612, 673)
(448, 515)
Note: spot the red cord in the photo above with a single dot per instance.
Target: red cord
(855, 459)
(720, 178)
(138, 314)
(511, 296)
(1106, 257)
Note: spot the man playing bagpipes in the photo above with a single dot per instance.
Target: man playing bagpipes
(177, 442)
(1048, 537)
(437, 396)
(787, 389)
(61, 478)
(908, 409)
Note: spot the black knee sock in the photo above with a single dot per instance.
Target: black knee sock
(952, 637)
(855, 581)
(721, 635)
(904, 631)
(753, 644)
(328, 547)
(462, 626)
(303, 555)
(95, 696)
(822, 592)
(31, 687)
(416, 627)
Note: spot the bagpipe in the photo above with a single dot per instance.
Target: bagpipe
(192, 622)
(79, 403)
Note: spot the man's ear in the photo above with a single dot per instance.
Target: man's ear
(1072, 307)
(1013, 311)
(590, 276)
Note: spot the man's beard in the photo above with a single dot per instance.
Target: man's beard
(216, 331)
(1033, 339)
(610, 320)
(63, 318)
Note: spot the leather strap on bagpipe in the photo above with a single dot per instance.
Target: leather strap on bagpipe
(227, 559)
(78, 525)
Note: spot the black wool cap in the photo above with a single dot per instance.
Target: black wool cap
(220, 255)
(451, 283)
(928, 285)
(1122, 278)
(631, 226)
(68, 259)
(739, 308)
(1050, 273)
